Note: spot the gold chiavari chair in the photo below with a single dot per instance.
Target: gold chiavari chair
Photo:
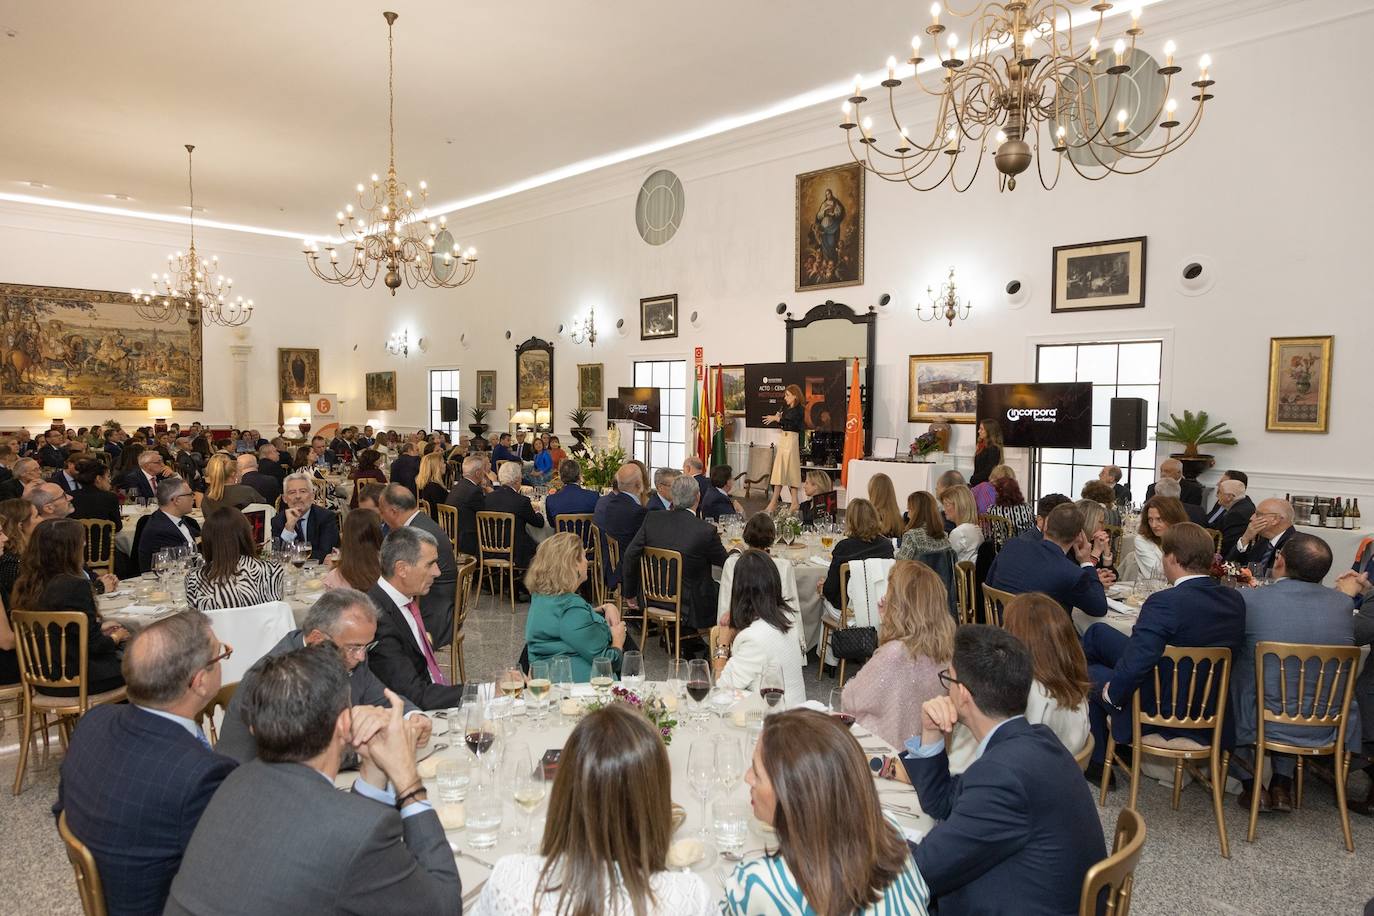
(448, 521)
(41, 640)
(462, 603)
(1315, 693)
(219, 703)
(12, 694)
(995, 603)
(1115, 875)
(1216, 539)
(423, 506)
(579, 523)
(100, 544)
(1196, 701)
(496, 551)
(966, 587)
(660, 592)
(829, 626)
(88, 885)
(1085, 756)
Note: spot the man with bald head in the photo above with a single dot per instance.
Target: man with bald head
(1232, 512)
(138, 776)
(50, 500)
(1269, 527)
(620, 514)
(506, 497)
(268, 486)
(1190, 490)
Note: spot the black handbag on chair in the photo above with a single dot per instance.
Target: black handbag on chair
(855, 644)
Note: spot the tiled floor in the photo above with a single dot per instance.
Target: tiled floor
(1298, 864)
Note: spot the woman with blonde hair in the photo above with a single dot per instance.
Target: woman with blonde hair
(606, 837)
(18, 518)
(429, 481)
(222, 487)
(883, 495)
(925, 529)
(820, 497)
(863, 540)
(915, 641)
(791, 419)
(561, 622)
(1095, 530)
(961, 518)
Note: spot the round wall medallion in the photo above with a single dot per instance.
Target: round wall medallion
(659, 208)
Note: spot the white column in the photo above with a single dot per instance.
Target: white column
(239, 380)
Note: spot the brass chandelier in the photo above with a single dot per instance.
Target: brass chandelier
(388, 232)
(1025, 72)
(192, 289)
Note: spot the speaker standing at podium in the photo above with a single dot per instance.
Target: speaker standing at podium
(787, 461)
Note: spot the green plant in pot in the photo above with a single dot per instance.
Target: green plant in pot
(580, 417)
(1194, 430)
(479, 422)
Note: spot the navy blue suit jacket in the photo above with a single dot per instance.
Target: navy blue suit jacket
(137, 480)
(619, 516)
(714, 504)
(1023, 565)
(404, 469)
(1017, 830)
(570, 500)
(134, 786)
(321, 529)
(158, 532)
(500, 453)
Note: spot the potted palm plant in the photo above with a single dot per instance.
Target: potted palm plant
(1193, 430)
(479, 422)
(580, 417)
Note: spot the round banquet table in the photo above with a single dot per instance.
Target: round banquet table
(899, 800)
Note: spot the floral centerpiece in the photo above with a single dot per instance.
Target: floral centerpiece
(924, 444)
(599, 466)
(788, 525)
(651, 707)
(1232, 574)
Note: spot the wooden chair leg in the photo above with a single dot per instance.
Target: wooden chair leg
(24, 748)
(1135, 778)
(1342, 769)
(1178, 781)
(462, 666)
(1219, 799)
(820, 666)
(1255, 792)
(1107, 762)
(511, 570)
(843, 662)
(1297, 798)
(677, 637)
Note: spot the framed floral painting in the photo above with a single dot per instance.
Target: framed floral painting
(1299, 384)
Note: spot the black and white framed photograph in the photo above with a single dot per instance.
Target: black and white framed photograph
(658, 317)
(1099, 275)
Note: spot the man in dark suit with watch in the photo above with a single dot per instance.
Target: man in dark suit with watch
(695, 538)
(301, 519)
(1268, 528)
(619, 514)
(53, 453)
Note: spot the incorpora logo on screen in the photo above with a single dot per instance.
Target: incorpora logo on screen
(1037, 414)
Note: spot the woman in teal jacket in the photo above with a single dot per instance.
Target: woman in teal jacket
(561, 622)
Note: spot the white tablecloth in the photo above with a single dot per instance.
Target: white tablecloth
(1343, 544)
(250, 630)
(907, 477)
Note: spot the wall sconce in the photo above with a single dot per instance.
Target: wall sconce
(584, 330)
(945, 304)
(57, 408)
(399, 344)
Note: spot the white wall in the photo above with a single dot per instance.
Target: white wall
(1268, 190)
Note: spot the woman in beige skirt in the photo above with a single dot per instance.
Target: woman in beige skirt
(787, 461)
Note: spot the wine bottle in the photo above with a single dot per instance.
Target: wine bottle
(1357, 513)
(1335, 515)
(1347, 520)
(1314, 518)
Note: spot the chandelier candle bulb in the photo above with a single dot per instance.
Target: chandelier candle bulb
(1092, 50)
(935, 14)
(1169, 49)
(891, 67)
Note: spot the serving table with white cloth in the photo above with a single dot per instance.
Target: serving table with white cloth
(907, 477)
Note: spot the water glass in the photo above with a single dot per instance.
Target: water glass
(560, 673)
(603, 676)
(484, 808)
(730, 824)
(632, 669)
(452, 776)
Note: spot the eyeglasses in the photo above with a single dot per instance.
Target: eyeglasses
(225, 650)
(946, 680)
(359, 650)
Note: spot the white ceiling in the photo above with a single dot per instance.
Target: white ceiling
(286, 101)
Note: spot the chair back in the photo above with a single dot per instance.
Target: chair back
(100, 544)
(996, 528)
(1216, 539)
(597, 571)
(259, 517)
(424, 506)
(1114, 539)
(995, 603)
(1314, 685)
(1191, 684)
(88, 884)
(1114, 877)
(496, 535)
(845, 613)
(43, 640)
(965, 586)
(1085, 756)
(660, 578)
(579, 523)
(219, 703)
(448, 520)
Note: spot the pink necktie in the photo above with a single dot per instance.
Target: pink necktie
(435, 674)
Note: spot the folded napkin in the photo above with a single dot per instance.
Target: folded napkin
(815, 705)
(822, 562)
(143, 610)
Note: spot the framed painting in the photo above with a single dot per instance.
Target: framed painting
(381, 391)
(93, 347)
(732, 389)
(486, 389)
(944, 386)
(298, 373)
(591, 390)
(830, 228)
(1099, 275)
(534, 375)
(658, 317)
(1299, 384)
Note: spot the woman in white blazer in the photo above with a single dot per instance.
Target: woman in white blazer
(760, 632)
(759, 533)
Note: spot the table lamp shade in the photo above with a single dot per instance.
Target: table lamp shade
(57, 407)
(159, 407)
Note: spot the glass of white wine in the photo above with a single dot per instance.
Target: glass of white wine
(512, 682)
(603, 676)
(539, 686)
(528, 790)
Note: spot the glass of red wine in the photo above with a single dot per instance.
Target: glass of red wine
(698, 686)
(771, 684)
(479, 730)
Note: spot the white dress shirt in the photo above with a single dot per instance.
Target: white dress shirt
(181, 526)
(401, 602)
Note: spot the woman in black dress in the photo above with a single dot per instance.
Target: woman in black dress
(863, 540)
(988, 454)
(95, 498)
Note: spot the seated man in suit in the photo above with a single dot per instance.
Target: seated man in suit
(468, 496)
(1061, 565)
(1043, 507)
(1111, 475)
(501, 451)
(50, 500)
(716, 501)
(1017, 830)
(347, 620)
(151, 469)
(301, 519)
(662, 497)
(1297, 608)
(1169, 488)
(66, 478)
(571, 498)
(399, 508)
(406, 466)
(693, 467)
(268, 487)
(522, 449)
(310, 847)
(1269, 526)
(403, 658)
(1196, 611)
(168, 526)
(53, 453)
(698, 542)
(506, 497)
(26, 472)
(620, 514)
(137, 777)
(270, 463)
(1236, 511)
(320, 454)
(1172, 468)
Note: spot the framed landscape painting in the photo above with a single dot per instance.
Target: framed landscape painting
(732, 389)
(1299, 384)
(298, 373)
(486, 389)
(93, 347)
(1099, 275)
(591, 392)
(830, 228)
(944, 386)
(381, 391)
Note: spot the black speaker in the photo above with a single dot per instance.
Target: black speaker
(448, 410)
(1129, 419)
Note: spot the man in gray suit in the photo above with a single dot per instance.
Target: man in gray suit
(279, 838)
(399, 508)
(346, 619)
(1297, 608)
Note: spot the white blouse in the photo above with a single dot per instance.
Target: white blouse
(1149, 559)
(755, 646)
(966, 539)
(1069, 724)
(510, 892)
(790, 597)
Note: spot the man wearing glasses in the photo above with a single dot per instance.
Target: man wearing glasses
(347, 619)
(137, 776)
(169, 526)
(151, 470)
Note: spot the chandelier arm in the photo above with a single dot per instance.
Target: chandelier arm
(892, 108)
(866, 162)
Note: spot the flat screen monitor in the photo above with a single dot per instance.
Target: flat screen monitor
(640, 405)
(824, 387)
(448, 410)
(1040, 414)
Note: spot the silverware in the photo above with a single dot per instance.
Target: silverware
(900, 811)
(472, 894)
(464, 854)
(740, 856)
(431, 752)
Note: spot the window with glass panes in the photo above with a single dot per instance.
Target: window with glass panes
(443, 383)
(667, 447)
(1117, 369)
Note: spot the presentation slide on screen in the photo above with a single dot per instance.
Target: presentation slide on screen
(1040, 415)
(824, 386)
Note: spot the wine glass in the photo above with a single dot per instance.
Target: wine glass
(512, 682)
(479, 730)
(698, 686)
(560, 673)
(484, 809)
(702, 775)
(515, 763)
(771, 685)
(632, 669)
(837, 704)
(539, 686)
(528, 789)
(603, 676)
(729, 764)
